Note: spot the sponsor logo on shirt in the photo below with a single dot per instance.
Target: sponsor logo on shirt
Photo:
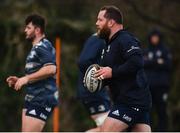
(132, 48)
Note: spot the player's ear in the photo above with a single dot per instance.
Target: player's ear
(38, 30)
(111, 22)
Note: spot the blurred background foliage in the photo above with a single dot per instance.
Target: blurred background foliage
(74, 21)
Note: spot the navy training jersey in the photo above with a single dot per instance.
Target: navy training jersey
(128, 84)
(43, 92)
(91, 54)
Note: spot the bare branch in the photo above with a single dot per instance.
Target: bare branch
(149, 18)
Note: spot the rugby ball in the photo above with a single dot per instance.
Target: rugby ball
(90, 82)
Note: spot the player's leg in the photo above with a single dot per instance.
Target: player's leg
(119, 119)
(113, 125)
(34, 117)
(22, 119)
(141, 128)
(98, 110)
(142, 121)
(99, 120)
(31, 124)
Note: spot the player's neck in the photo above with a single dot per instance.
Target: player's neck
(37, 39)
(115, 29)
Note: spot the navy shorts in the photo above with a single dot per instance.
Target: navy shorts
(42, 113)
(130, 115)
(97, 106)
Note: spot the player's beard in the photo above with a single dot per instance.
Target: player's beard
(30, 37)
(104, 33)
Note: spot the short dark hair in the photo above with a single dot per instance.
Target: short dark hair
(112, 12)
(36, 20)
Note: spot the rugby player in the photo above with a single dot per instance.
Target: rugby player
(39, 80)
(124, 72)
(98, 103)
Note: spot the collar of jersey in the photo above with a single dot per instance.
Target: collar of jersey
(39, 43)
(115, 35)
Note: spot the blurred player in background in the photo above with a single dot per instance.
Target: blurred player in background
(41, 92)
(158, 65)
(124, 74)
(98, 103)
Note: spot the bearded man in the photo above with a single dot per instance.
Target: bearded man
(123, 72)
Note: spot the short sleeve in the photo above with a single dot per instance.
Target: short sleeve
(46, 55)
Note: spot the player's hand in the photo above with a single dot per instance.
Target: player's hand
(21, 82)
(103, 73)
(11, 80)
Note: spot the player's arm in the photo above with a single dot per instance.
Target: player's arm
(46, 58)
(132, 53)
(131, 66)
(11, 80)
(41, 74)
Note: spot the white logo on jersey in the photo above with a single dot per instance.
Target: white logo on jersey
(108, 48)
(32, 54)
(101, 108)
(29, 97)
(137, 109)
(43, 116)
(102, 54)
(56, 95)
(116, 112)
(92, 110)
(32, 112)
(29, 65)
(48, 109)
(132, 48)
(127, 118)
